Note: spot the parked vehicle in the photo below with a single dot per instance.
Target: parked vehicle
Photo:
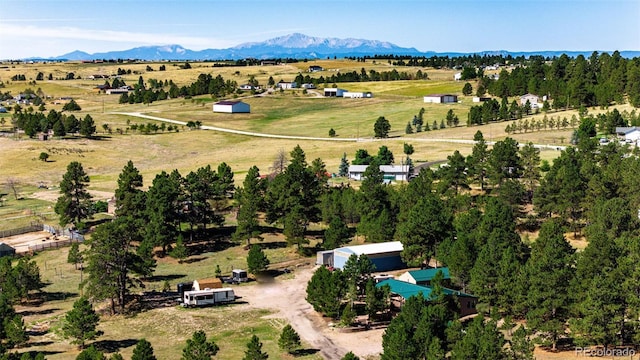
(208, 297)
(238, 276)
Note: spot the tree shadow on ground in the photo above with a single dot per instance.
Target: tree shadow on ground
(303, 352)
(201, 247)
(111, 346)
(159, 278)
(52, 296)
(38, 343)
(193, 260)
(37, 312)
(33, 354)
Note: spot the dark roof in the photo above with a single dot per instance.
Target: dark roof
(428, 274)
(407, 290)
(439, 95)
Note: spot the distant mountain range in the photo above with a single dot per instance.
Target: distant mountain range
(298, 46)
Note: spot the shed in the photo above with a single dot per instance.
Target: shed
(385, 256)
(441, 98)
(405, 290)
(324, 258)
(334, 92)
(477, 99)
(315, 68)
(6, 250)
(209, 283)
(423, 276)
(231, 107)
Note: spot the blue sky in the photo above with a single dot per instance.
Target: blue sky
(55, 27)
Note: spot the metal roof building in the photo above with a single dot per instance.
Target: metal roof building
(424, 276)
(385, 256)
(231, 107)
(406, 290)
(6, 250)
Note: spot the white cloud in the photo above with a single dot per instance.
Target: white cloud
(36, 37)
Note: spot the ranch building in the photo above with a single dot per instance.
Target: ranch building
(533, 100)
(357, 95)
(441, 99)
(287, 85)
(424, 276)
(385, 256)
(334, 92)
(630, 134)
(391, 172)
(401, 291)
(231, 107)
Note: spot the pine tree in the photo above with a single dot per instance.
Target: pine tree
(350, 356)
(250, 200)
(257, 261)
(75, 256)
(81, 322)
(198, 348)
(343, 170)
(408, 129)
(254, 350)
(336, 234)
(143, 351)
(91, 353)
(75, 202)
(180, 251)
(289, 339)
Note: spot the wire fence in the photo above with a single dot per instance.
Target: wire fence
(22, 230)
(58, 231)
(52, 245)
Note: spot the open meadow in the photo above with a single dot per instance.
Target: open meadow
(30, 185)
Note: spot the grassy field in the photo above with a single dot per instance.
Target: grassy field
(231, 329)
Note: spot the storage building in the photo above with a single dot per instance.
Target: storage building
(334, 92)
(231, 107)
(209, 283)
(357, 95)
(441, 98)
(6, 250)
(385, 256)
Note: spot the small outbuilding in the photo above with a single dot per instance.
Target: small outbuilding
(284, 85)
(424, 276)
(324, 258)
(385, 256)
(315, 68)
(209, 283)
(6, 250)
(441, 98)
(231, 107)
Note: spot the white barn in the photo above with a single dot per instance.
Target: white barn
(441, 98)
(630, 134)
(231, 107)
(385, 256)
(357, 95)
(391, 172)
(287, 85)
(533, 100)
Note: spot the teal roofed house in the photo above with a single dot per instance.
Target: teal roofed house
(424, 276)
(405, 290)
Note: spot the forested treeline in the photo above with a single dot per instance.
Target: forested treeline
(62, 124)
(362, 76)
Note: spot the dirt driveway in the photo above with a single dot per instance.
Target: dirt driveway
(287, 297)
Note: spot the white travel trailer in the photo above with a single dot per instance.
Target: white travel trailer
(208, 297)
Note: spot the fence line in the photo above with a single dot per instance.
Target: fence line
(23, 230)
(52, 245)
(63, 232)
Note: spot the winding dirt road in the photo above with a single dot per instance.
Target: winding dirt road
(287, 298)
